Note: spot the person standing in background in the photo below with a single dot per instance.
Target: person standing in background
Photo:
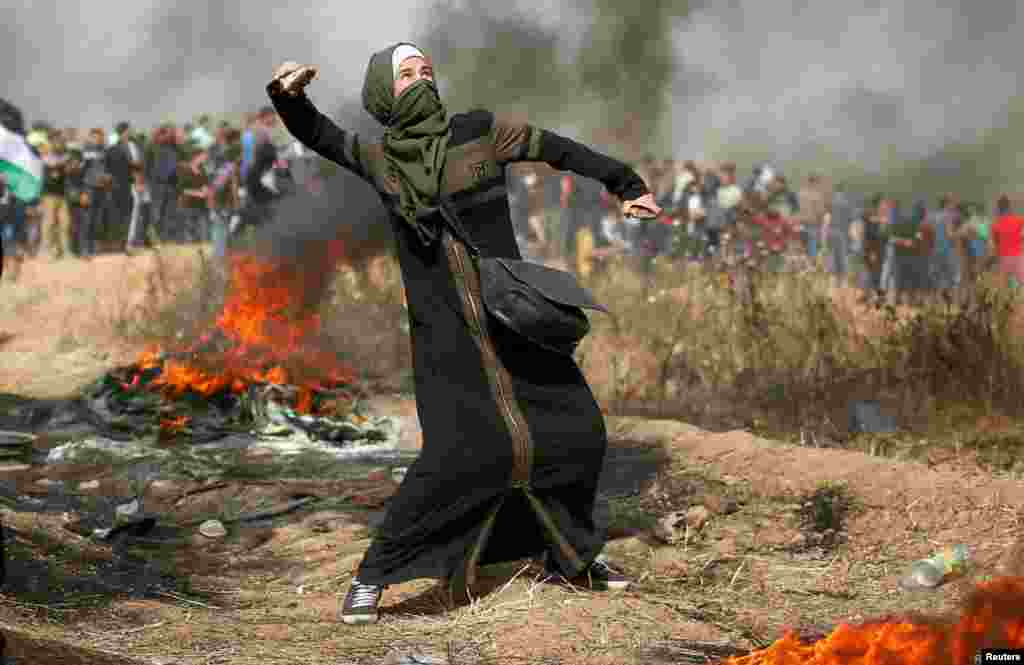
(248, 142)
(973, 235)
(77, 197)
(886, 221)
(913, 241)
(56, 216)
(261, 193)
(98, 199)
(122, 159)
(872, 251)
(812, 206)
(223, 191)
(142, 209)
(200, 135)
(842, 213)
(193, 193)
(162, 182)
(1005, 242)
(696, 217)
(7, 231)
(945, 269)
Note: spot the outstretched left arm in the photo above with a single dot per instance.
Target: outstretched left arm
(526, 143)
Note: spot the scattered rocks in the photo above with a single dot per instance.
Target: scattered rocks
(672, 527)
(667, 529)
(396, 658)
(721, 505)
(213, 529)
(697, 517)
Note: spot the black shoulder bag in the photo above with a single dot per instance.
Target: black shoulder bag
(542, 304)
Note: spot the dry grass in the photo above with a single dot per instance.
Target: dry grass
(784, 356)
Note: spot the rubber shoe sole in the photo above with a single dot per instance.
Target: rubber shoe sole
(359, 619)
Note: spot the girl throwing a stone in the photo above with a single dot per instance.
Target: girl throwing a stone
(513, 440)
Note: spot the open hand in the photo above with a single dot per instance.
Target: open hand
(290, 77)
(643, 207)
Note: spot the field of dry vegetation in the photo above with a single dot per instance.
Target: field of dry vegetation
(784, 359)
(756, 510)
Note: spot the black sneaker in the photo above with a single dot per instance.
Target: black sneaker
(599, 576)
(361, 603)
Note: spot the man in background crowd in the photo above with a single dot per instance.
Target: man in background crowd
(56, 216)
(76, 194)
(730, 196)
(123, 159)
(223, 202)
(812, 206)
(872, 249)
(162, 181)
(261, 190)
(200, 135)
(841, 215)
(973, 235)
(99, 219)
(1006, 242)
(248, 142)
(193, 193)
(945, 266)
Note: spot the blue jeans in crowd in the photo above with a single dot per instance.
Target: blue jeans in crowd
(98, 220)
(10, 224)
(220, 219)
(839, 248)
(163, 211)
(810, 235)
(945, 269)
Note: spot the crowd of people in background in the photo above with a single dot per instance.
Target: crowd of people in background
(126, 190)
(895, 253)
(200, 183)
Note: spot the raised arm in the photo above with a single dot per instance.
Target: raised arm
(526, 143)
(315, 130)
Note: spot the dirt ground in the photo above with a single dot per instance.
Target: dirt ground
(731, 539)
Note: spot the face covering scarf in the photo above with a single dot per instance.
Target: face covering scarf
(415, 139)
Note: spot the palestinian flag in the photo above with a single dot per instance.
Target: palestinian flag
(20, 167)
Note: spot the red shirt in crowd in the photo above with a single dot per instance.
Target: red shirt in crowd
(775, 231)
(1007, 232)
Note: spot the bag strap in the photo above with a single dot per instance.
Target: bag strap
(451, 217)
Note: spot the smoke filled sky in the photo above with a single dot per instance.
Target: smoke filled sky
(789, 75)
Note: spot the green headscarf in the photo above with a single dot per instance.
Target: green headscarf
(415, 139)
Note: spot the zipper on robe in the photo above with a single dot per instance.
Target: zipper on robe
(468, 286)
(522, 458)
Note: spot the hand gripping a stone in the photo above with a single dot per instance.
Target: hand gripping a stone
(290, 78)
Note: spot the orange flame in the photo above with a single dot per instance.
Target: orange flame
(173, 425)
(268, 331)
(992, 617)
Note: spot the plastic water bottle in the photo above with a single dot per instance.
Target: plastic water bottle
(949, 563)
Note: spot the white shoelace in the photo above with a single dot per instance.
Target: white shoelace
(364, 595)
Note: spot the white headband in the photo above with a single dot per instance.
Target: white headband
(401, 53)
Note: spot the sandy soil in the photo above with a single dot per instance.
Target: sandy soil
(747, 567)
